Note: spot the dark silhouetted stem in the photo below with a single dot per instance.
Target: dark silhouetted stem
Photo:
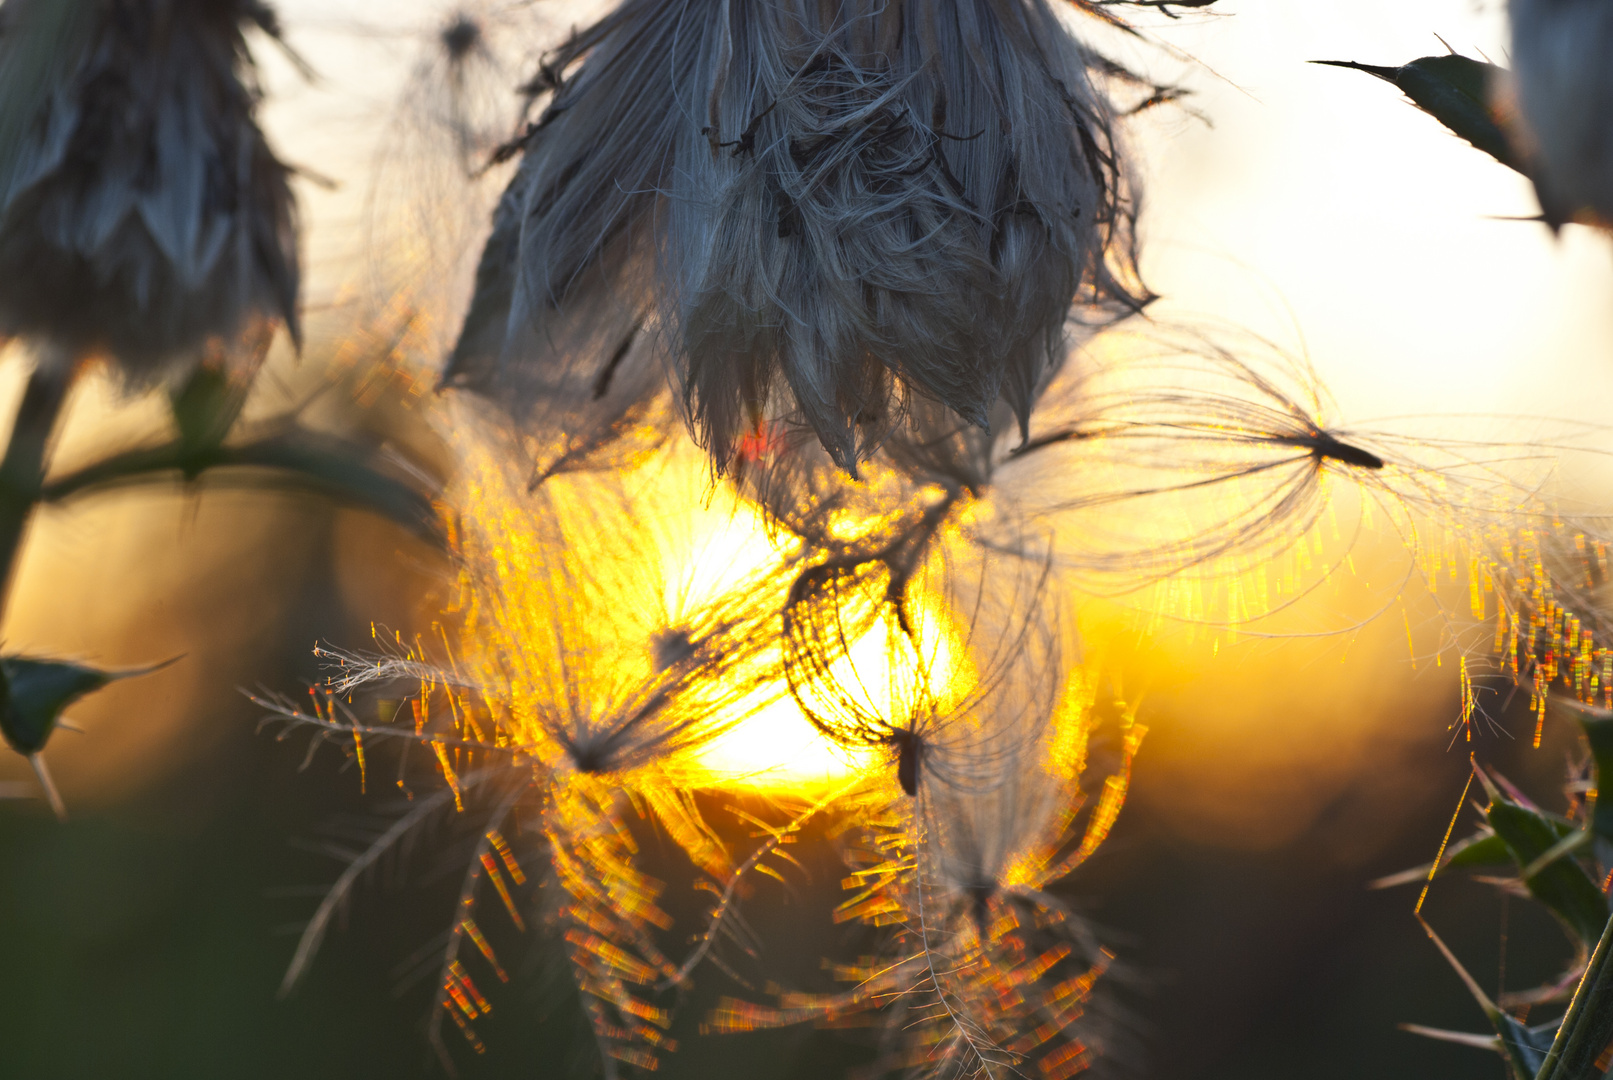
(1587, 1027)
(22, 470)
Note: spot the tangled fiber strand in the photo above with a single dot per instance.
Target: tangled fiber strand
(920, 546)
(905, 680)
(141, 211)
(983, 973)
(820, 214)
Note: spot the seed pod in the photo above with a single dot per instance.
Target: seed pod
(141, 211)
(823, 211)
(1564, 86)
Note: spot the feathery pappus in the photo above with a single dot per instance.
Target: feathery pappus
(904, 678)
(1214, 487)
(432, 184)
(921, 537)
(982, 971)
(142, 213)
(615, 658)
(1194, 453)
(819, 215)
(590, 667)
(461, 79)
(1564, 90)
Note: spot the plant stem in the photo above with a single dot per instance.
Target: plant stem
(1587, 1027)
(22, 470)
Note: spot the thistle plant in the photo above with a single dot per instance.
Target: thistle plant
(848, 258)
(146, 224)
(806, 371)
(1563, 97)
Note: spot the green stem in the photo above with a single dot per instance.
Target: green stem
(22, 470)
(1587, 1027)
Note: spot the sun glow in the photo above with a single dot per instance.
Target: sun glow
(657, 576)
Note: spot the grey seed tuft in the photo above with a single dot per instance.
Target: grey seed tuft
(828, 213)
(141, 211)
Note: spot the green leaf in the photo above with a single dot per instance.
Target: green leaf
(1562, 885)
(1453, 90)
(1480, 849)
(205, 409)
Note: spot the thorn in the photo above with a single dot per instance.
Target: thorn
(149, 669)
(52, 796)
(1387, 74)
(1570, 843)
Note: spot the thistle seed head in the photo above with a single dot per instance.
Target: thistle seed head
(141, 211)
(827, 213)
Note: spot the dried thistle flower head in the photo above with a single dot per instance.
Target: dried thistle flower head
(1564, 86)
(141, 211)
(823, 212)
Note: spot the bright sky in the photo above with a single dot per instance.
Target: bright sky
(1322, 198)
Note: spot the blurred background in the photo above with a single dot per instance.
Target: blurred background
(147, 936)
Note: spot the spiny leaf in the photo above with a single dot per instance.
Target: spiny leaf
(1451, 89)
(35, 693)
(1523, 1048)
(1481, 849)
(1562, 885)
